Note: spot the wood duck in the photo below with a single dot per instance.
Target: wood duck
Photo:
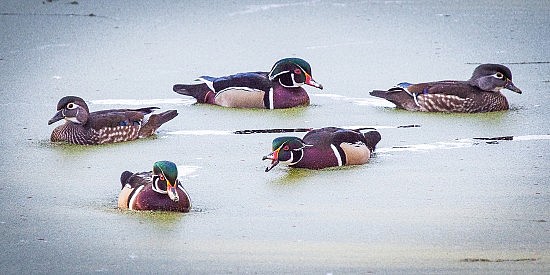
(157, 190)
(107, 126)
(479, 94)
(279, 88)
(322, 148)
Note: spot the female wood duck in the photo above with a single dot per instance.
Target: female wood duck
(107, 126)
(277, 89)
(322, 148)
(479, 94)
(156, 190)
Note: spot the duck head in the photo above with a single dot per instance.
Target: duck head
(289, 150)
(293, 72)
(493, 78)
(165, 179)
(71, 108)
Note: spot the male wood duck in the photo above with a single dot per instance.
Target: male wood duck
(107, 126)
(157, 190)
(322, 148)
(479, 94)
(277, 89)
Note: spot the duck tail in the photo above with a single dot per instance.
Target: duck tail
(379, 93)
(124, 177)
(372, 138)
(201, 92)
(166, 116)
(155, 121)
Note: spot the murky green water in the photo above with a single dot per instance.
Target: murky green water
(432, 199)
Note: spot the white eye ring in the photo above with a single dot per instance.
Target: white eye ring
(498, 75)
(71, 106)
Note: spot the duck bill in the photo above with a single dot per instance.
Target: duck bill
(510, 86)
(274, 157)
(311, 82)
(57, 117)
(172, 191)
(273, 164)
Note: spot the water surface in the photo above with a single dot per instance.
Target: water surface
(433, 199)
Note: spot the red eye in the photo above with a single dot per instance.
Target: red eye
(297, 71)
(161, 177)
(286, 148)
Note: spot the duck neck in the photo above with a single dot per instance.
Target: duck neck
(159, 186)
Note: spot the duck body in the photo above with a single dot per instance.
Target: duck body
(325, 147)
(106, 126)
(154, 190)
(280, 88)
(479, 94)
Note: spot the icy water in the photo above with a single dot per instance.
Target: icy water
(432, 200)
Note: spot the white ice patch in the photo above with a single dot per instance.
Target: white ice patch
(375, 127)
(337, 45)
(331, 96)
(264, 7)
(187, 170)
(457, 144)
(200, 132)
(461, 143)
(50, 46)
(532, 137)
(378, 102)
(139, 102)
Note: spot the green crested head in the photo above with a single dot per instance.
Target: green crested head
(290, 143)
(166, 168)
(285, 149)
(292, 72)
(291, 62)
(286, 65)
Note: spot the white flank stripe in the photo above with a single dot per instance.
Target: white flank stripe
(133, 198)
(337, 154)
(271, 104)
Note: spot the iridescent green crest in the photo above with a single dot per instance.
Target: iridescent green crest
(288, 65)
(292, 142)
(168, 168)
